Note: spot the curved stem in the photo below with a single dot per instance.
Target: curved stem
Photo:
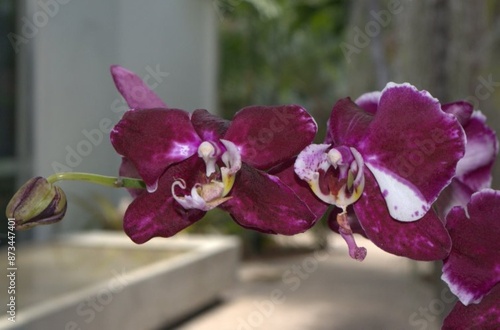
(109, 181)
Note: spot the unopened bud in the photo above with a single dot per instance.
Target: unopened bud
(37, 202)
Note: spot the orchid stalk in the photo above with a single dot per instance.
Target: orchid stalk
(40, 202)
(108, 181)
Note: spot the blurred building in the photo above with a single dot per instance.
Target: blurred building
(64, 102)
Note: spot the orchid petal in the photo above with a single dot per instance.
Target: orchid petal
(134, 90)
(262, 202)
(369, 101)
(462, 110)
(426, 239)
(269, 135)
(404, 200)
(412, 148)
(474, 169)
(154, 139)
(285, 172)
(482, 316)
(158, 214)
(473, 266)
(209, 127)
(348, 123)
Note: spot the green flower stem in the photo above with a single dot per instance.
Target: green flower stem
(108, 181)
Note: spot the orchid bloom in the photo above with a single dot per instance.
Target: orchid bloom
(387, 156)
(472, 270)
(474, 169)
(192, 163)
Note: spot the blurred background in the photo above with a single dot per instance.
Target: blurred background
(58, 102)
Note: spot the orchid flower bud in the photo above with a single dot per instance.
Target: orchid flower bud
(37, 202)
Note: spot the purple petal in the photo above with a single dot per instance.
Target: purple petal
(413, 146)
(473, 266)
(262, 202)
(474, 169)
(482, 316)
(154, 139)
(425, 239)
(285, 172)
(158, 214)
(269, 135)
(209, 127)
(369, 101)
(134, 90)
(348, 123)
(461, 110)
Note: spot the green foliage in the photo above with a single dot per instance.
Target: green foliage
(278, 52)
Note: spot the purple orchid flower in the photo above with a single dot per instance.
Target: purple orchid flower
(472, 270)
(388, 155)
(192, 163)
(474, 169)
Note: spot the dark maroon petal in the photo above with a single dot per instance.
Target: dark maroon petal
(286, 174)
(413, 143)
(351, 217)
(482, 316)
(158, 214)
(481, 150)
(473, 266)
(425, 239)
(209, 127)
(462, 110)
(134, 90)
(348, 123)
(262, 202)
(127, 169)
(369, 101)
(154, 139)
(269, 135)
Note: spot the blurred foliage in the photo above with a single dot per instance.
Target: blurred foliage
(281, 52)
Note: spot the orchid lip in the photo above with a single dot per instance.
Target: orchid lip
(335, 176)
(218, 181)
(203, 197)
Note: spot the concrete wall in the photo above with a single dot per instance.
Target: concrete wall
(67, 93)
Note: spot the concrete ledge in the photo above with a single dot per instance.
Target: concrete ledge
(148, 296)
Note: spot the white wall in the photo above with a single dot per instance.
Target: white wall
(68, 57)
